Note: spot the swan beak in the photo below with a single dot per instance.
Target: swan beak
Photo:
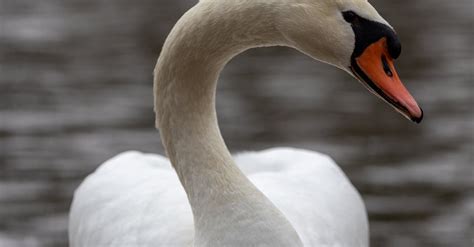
(375, 68)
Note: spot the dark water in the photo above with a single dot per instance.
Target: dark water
(75, 89)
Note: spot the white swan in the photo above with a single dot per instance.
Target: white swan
(278, 197)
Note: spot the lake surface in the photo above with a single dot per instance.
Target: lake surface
(75, 89)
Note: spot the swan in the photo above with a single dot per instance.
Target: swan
(202, 196)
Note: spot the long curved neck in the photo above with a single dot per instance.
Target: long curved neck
(228, 209)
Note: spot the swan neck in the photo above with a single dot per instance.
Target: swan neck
(227, 207)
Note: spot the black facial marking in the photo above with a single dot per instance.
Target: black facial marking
(368, 32)
(349, 16)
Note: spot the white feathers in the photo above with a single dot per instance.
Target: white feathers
(136, 199)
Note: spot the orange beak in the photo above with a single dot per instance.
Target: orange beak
(376, 69)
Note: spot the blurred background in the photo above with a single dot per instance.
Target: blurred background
(76, 89)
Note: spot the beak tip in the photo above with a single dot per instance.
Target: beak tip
(418, 119)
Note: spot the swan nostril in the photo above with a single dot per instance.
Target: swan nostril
(386, 67)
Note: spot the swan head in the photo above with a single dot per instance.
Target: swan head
(351, 35)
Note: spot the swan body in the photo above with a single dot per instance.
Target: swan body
(204, 197)
(145, 205)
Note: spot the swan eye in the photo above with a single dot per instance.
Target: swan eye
(349, 16)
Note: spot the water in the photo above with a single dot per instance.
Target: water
(75, 89)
